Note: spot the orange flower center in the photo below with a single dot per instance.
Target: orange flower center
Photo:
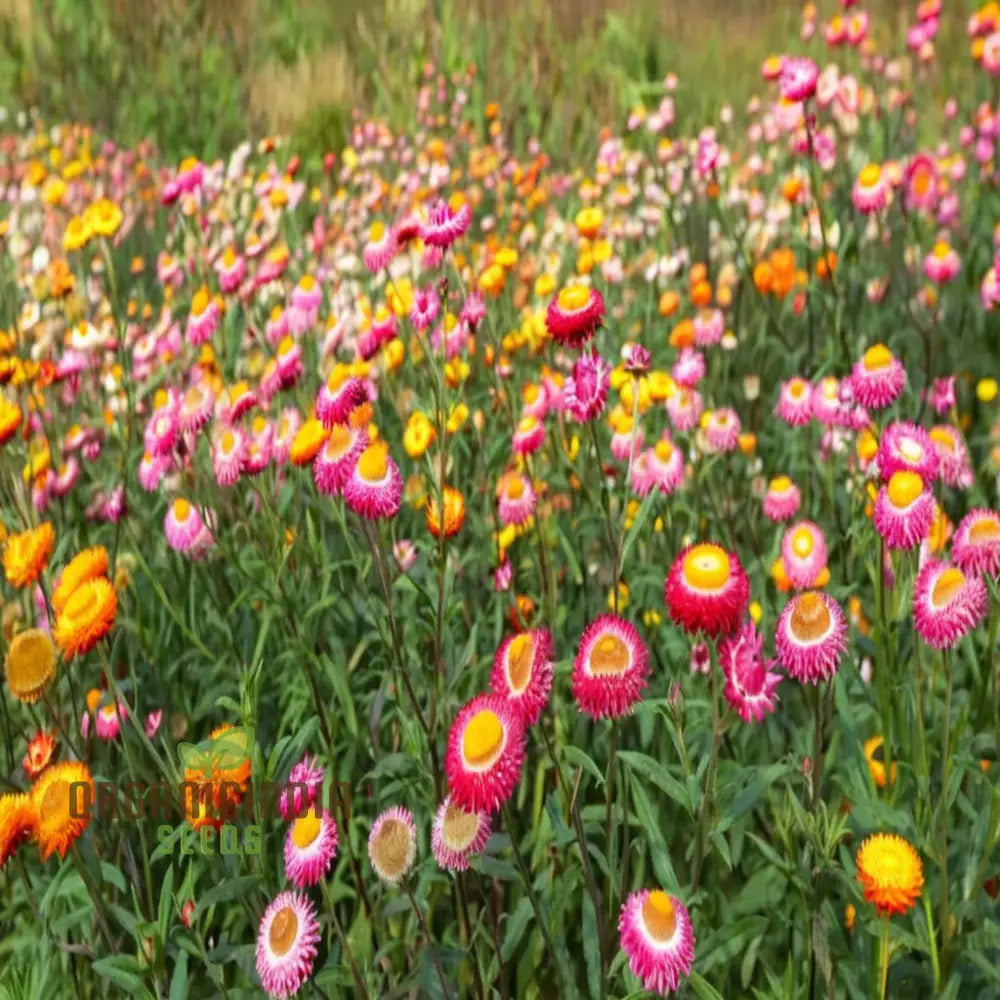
(811, 617)
(877, 357)
(659, 916)
(306, 829)
(984, 530)
(904, 488)
(284, 930)
(664, 449)
(520, 656)
(947, 586)
(797, 388)
(482, 740)
(609, 657)
(515, 488)
(706, 567)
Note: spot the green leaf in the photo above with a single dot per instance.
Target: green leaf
(703, 988)
(729, 940)
(179, 980)
(591, 955)
(111, 874)
(579, 758)
(166, 904)
(124, 971)
(517, 922)
(228, 889)
(637, 525)
(649, 769)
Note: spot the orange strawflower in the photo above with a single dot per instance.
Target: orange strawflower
(27, 554)
(17, 823)
(87, 616)
(41, 748)
(86, 565)
(62, 798)
(31, 664)
(454, 512)
(890, 872)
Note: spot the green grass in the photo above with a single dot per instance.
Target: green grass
(196, 76)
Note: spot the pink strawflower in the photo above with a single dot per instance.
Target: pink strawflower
(689, 368)
(286, 944)
(904, 511)
(684, 408)
(975, 546)
(528, 436)
(795, 402)
(610, 669)
(375, 487)
(522, 672)
(656, 934)
(878, 378)
(907, 447)
(797, 81)
(947, 603)
(803, 552)
(305, 781)
(516, 499)
(586, 391)
(707, 590)
(310, 847)
(458, 835)
(183, 525)
(782, 500)
(750, 684)
(722, 432)
(810, 637)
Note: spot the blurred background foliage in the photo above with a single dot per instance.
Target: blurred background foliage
(198, 76)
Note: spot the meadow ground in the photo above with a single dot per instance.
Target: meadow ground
(499, 500)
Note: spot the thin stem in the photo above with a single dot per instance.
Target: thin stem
(345, 945)
(708, 799)
(610, 841)
(945, 780)
(884, 978)
(427, 935)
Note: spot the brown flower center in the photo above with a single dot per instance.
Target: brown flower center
(810, 618)
(284, 930)
(609, 657)
(392, 847)
(459, 828)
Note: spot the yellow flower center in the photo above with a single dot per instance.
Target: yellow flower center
(870, 175)
(228, 441)
(609, 657)
(659, 916)
(664, 449)
(904, 488)
(706, 567)
(802, 543)
(337, 378)
(30, 662)
(780, 484)
(200, 301)
(307, 282)
(797, 388)
(810, 618)
(984, 530)
(520, 655)
(877, 357)
(947, 585)
(530, 393)
(377, 232)
(373, 464)
(574, 298)
(181, 509)
(284, 930)
(943, 436)
(482, 740)
(941, 249)
(306, 829)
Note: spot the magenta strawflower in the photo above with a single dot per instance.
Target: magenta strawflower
(904, 510)
(444, 226)
(286, 944)
(339, 395)
(380, 248)
(685, 409)
(574, 315)
(522, 672)
(689, 368)
(610, 669)
(795, 402)
(750, 683)
(707, 590)
(305, 781)
(871, 190)
(878, 378)
(587, 390)
(907, 447)
(375, 487)
(975, 546)
(335, 462)
(722, 432)
(310, 847)
(183, 525)
(810, 637)
(228, 455)
(529, 435)
(803, 552)
(782, 500)
(485, 754)
(656, 935)
(952, 456)
(947, 603)
(516, 499)
(797, 80)
(458, 835)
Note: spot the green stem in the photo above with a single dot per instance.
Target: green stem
(884, 978)
(945, 780)
(422, 918)
(610, 841)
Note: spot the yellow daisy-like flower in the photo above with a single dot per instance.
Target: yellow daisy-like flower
(78, 233)
(105, 217)
(27, 554)
(890, 872)
(31, 664)
(62, 798)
